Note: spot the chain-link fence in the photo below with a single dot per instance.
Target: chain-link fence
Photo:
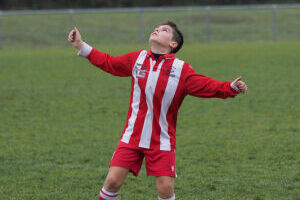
(45, 28)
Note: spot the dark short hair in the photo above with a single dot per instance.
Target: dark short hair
(177, 35)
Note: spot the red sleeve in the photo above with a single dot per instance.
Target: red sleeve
(115, 65)
(202, 86)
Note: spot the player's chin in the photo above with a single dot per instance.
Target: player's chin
(152, 38)
(155, 40)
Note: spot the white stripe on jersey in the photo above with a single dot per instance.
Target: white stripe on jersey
(149, 91)
(136, 98)
(166, 102)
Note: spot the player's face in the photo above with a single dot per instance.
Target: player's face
(162, 35)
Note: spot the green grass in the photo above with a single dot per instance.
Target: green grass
(123, 27)
(61, 119)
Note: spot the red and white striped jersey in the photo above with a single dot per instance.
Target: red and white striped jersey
(158, 88)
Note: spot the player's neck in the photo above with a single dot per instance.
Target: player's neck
(158, 49)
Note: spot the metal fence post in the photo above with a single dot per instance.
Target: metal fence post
(71, 19)
(0, 30)
(190, 13)
(207, 27)
(274, 34)
(141, 24)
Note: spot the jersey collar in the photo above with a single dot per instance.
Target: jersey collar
(166, 56)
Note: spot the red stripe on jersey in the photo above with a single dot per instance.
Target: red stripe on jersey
(159, 93)
(137, 131)
(173, 110)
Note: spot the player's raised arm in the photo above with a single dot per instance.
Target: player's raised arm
(115, 65)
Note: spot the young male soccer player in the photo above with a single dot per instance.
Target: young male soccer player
(159, 84)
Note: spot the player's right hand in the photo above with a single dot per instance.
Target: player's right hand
(75, 38)
(240, 85)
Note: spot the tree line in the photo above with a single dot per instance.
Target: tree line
(57, 4)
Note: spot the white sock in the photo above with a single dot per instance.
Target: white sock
(108, 195)
(172, 198)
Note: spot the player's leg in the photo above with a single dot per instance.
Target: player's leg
(113, 182)
(161, 164)
(165, 187)
(126, 158)
(115, 178)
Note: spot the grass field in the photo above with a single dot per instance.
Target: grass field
(61, 118)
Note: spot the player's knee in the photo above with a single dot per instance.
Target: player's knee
(112, 184)
(165, 189)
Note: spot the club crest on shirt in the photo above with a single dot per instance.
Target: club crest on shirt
(139, 72)
(169, 71)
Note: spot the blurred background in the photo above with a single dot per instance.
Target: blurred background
(46, 23)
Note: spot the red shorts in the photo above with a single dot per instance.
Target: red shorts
(158, 163)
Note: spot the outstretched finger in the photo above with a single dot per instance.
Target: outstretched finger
(237, 79)
(75, 30)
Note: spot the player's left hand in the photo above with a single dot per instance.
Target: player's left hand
(240, 85)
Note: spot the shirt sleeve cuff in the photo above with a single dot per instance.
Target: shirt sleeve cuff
(234, 87)
(85, 50)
